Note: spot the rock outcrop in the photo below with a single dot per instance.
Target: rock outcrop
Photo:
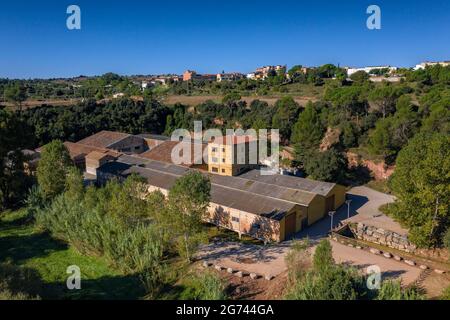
(384, 237)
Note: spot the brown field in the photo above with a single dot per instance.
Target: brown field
(195, 100)
(36, 103)
(183, 99)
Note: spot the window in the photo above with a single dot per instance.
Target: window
(223, 149)
(223, 170)
(214, 169)
(256, 226)
(235, 219)
(137, 148)
(214, 149)
(214, 159)
(223, 160)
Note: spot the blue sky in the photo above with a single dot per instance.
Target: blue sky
(151, 37)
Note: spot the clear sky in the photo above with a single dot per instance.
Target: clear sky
(169, 36)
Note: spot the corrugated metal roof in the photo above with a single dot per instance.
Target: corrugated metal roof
(164, 175)
(302, 184)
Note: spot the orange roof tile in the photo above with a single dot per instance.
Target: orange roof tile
(234, 139)
(163, 153)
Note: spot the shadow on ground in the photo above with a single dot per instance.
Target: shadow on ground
(323, 226)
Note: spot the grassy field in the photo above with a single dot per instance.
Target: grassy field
(25, 246)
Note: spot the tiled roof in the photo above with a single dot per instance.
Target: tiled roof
(234, 139)
(97, 155)
(153, 136)
(103, 139)
(77, 150)
(163, 153)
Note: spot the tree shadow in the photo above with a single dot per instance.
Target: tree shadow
(18, 249)
(121, 287)
(9, 224)
(358, 176)
(322, 227)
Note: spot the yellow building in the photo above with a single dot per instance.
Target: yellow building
(232, 155)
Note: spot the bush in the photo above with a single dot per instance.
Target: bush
(206, 286)
(446, 239)
(323, 257)
(337, 283)
(446, 294)
(136, 248)
(392, 290)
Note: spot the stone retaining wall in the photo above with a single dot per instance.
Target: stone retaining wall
(384, 237)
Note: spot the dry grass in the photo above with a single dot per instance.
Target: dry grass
(195, 100)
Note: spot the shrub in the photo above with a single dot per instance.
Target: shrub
(392, 290)
(336, 283)
(132, 248)
(446, 294)
(207, 286)
(446, 239)
(323, 257)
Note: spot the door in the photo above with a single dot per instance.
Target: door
(329, 204)
(289, 224)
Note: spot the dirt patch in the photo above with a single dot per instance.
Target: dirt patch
(435, 283)
(254, 289)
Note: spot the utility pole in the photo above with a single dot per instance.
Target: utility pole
(331, 214)
(348, 207)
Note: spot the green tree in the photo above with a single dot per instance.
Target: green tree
(308, 130)
(421, 183)
(188, 201)
(16, 93)
(328, 165)
(231, 97)
(380, 139)
(349, 135)
(53, 168)
(286, 114)
(14, 136)
(360, 76)
(384, 99)
(74, 183)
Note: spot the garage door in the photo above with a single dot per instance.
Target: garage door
(290, 225)
(330, 204)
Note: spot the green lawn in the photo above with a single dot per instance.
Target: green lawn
(25, 246)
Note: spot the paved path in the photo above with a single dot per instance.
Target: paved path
(390, 268)
(260, 259)
(368, 212)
